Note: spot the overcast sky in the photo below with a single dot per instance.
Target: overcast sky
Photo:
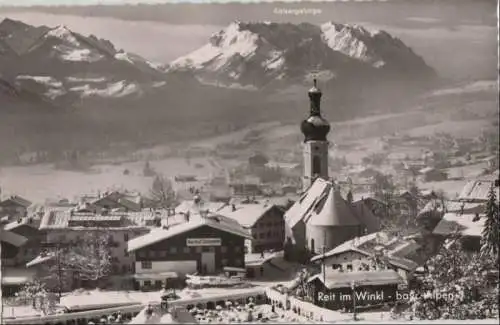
(93, 2)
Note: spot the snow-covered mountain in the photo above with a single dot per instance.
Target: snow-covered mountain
(260, 53)
(66, 66)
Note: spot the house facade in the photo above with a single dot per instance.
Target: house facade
(264, 221)
(203, 245)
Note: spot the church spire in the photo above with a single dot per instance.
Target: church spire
(315, 99)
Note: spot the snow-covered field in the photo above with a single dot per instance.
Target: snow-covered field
(37, 183)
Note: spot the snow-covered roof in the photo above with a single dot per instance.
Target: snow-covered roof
(12, 238)
(396, 249)
(323, 205)
(40, 259)
(192, 207)
(299, 208)
(214, 221)
(465, 224)
(15, 224)
(256, 259)
(477, 190)
(350, 245)
(246, 214)
(332, 210)
(16, 200)
(60, 218)
(335, 279)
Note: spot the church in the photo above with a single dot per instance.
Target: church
(322, 219)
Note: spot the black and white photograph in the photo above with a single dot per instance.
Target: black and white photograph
(224, 162)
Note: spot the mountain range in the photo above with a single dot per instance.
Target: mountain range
(80, 91)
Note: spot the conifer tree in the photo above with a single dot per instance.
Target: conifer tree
(490, 235)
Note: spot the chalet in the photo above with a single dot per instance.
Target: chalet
(205, 244)
(264, 221)
(269, 265)
(347, 290)
(469, 226)
(114, 201)
(321, 219)
(14, 207)
(358, 254)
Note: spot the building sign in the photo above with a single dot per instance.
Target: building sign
(203, 242)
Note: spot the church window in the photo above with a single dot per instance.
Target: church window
(312, 244)
(316, 165)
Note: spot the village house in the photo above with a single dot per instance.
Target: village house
(205, 244)
(14, 274)
(28, 228)
(113, 201)
(263, 220)
(14, 207)
(268, 265)
(347, 290)
(401, 255)
(468, 226)
(63, 228)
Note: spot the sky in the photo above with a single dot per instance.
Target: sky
(110, 2)
(93, 2)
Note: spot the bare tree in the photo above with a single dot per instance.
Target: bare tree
(91, 259)
(162, 193)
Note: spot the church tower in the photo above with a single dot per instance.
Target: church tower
(315, 129)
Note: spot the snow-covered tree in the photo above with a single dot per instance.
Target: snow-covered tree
(37, 294)
(466, 280)
(490, 235)
(162, 193)
(91, 259)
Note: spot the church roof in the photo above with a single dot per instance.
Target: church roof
(323, 205)
(332, 210)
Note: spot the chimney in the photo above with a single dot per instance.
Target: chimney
(233, 207)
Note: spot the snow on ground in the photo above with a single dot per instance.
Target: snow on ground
(85, 55)
(47, 182)
(76, 79)
(477, 86)
(53, 93)
(460, 129)
(451, 188)
(45, 80)
(117, 89)
(19, 311)
(54, 87)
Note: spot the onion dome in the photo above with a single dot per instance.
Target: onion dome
(315, 127)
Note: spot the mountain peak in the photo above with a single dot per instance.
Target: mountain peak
(62, 32)
(244, 52)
